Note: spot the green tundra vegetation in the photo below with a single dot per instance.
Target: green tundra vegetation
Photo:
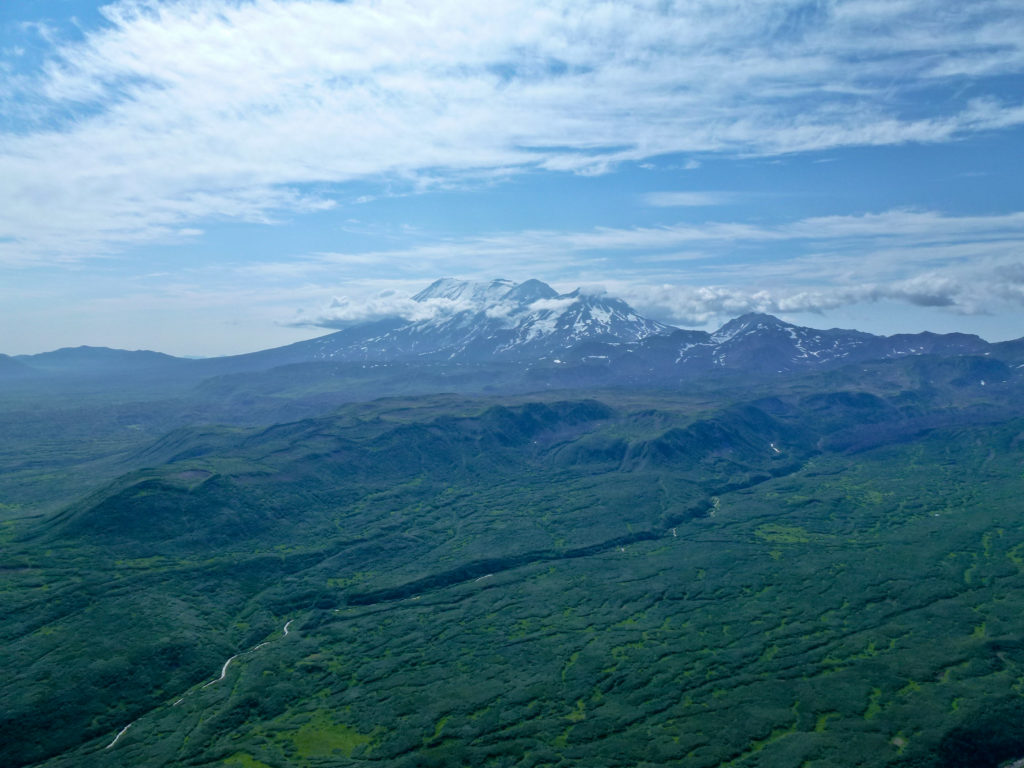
(814, 572)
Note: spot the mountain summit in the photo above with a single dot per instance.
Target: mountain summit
(494, 320)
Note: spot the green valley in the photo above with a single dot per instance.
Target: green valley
(798, 573)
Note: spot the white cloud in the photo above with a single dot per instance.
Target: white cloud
(344, 312)
(686, 199)
(177, 113)
(552, 305)
(971, 291)
(960, 264)
(963, 291)
(875, 246)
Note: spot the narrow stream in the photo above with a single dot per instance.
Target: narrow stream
(223, 674)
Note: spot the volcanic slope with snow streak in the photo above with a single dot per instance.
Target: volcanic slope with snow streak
(495, 320)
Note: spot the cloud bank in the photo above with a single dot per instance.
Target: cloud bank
(690, 275)
(174, 114)
(344, 312)
(697, 306)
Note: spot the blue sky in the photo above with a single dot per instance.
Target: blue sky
(218, 176)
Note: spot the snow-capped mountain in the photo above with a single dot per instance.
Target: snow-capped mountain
(759, 342)
(496, 320)
(477, 293)
(531, 324)
(547, 339)
(762, 344)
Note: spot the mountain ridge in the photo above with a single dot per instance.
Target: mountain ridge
(531, 325)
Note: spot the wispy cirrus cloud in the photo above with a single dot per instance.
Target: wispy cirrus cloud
(901, 239)
(688, 199)
(178, 113)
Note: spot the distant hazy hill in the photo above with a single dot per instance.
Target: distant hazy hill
(97, 360)
(9, 366)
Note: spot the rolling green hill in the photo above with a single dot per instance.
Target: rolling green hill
(816, 572)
